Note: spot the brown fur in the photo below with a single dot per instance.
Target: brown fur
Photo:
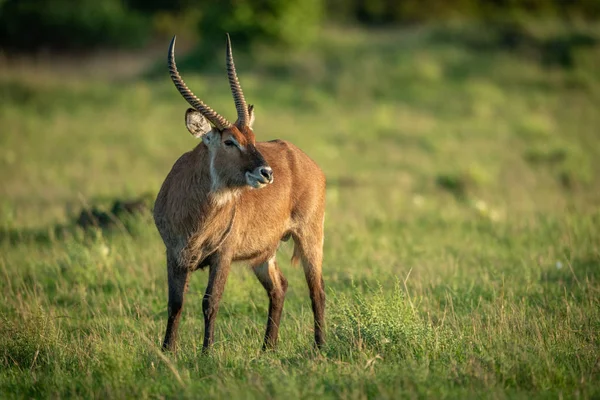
(206, 226)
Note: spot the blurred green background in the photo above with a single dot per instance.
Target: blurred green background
(87, 24)
(461, 144)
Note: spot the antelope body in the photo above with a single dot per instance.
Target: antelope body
(233, 199)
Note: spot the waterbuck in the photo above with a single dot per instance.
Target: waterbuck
(234, 199)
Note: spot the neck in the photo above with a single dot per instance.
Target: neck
(215, 194)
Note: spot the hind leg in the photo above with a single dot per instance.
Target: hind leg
(270, 276)
(309, 247)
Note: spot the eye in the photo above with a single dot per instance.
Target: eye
(229, 142)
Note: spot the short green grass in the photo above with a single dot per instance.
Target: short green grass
(462, 252)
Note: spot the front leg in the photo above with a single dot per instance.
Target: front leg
(178, 277)
(217, 278)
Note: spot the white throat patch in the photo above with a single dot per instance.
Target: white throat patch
(221, 197)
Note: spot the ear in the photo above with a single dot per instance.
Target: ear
(251, 113)
(196, 123)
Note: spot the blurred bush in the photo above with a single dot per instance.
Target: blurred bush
(70, 24)
(31, 25)
(293, 22)
(378, 12)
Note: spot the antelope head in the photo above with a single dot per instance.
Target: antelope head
(235, 161)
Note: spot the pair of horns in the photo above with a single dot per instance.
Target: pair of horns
(236, 90)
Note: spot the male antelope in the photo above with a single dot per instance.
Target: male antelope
(233, 199)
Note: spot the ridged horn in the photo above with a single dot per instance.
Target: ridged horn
(210, 114)
(236, 89)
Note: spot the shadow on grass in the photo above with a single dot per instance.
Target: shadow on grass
(45, 100)
(551, 49)
(121, 216)
(575, 275)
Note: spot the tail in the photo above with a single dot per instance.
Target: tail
(296, 255)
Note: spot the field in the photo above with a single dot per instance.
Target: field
(462, 251)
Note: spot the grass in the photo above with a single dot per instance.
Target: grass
(462, 253)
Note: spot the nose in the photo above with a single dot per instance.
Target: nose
(267, 173)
